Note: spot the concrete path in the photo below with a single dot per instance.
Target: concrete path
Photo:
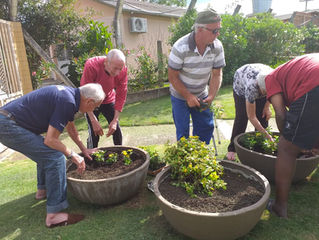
(148, 135)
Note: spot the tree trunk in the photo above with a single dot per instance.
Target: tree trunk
(160, 63)
(191, 6)
(116, 24)
(13, 9)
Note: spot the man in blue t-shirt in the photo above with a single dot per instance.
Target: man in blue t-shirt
(49, 110)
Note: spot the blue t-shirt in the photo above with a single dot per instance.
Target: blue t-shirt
(52, 105)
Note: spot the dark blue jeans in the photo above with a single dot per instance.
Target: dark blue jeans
(203, 123)
(51, 172)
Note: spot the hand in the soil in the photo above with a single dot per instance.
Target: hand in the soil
(80, 163)
(88, 152)
(269, 137)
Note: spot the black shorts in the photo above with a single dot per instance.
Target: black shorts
(302, 120)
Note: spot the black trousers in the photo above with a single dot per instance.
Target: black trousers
(108, 112)
(241, 119)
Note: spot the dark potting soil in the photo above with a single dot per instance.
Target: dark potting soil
(96, 170)
(241, 192)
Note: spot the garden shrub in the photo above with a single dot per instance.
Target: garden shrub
(144, 76)
(261, 38)
(194, 166)
(94, 41)
(311, 41)
(182, 27)
(156, 161)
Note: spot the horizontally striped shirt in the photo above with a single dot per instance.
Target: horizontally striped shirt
(195, 69)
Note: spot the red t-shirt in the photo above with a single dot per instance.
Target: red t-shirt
(294, 78)
(115, 88)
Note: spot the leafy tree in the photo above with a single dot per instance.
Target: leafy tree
(311, 40)
(261, 38)
(94, 41)
(48, 22)
(270, 40)
(4, 9)
(234, 38)
(182, 27)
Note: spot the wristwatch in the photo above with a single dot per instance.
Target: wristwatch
(70, 156)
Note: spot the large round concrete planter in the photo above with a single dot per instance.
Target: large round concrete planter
(265, 163)
(110, 190)
(214, 226)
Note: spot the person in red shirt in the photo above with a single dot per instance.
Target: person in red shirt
(109, 71)
(293, 90)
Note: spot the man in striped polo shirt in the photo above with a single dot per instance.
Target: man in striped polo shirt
(195, 74)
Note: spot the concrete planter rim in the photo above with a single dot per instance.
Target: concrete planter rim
(120, 176)
(260, 202)
(111, 190)
(236, 141)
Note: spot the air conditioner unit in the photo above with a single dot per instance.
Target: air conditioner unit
(138, 24)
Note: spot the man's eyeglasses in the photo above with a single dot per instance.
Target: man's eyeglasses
(213, 31)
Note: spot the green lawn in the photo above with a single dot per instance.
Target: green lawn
(159, 111)
(22, 217)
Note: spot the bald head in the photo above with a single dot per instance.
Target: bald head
(116, 54)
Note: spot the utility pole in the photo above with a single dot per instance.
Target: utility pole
(306, 3)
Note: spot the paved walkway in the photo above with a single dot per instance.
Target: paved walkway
(147, 135)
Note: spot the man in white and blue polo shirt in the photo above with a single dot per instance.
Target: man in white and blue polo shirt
(195, 74)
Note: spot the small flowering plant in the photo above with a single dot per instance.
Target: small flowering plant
(111, 158)
(127, 156)
(100, 156)
(258, 142)
(194, 166)
(156, 161)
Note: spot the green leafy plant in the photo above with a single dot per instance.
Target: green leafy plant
(182, 27)
(156, 161)
(144, 76)
(112, 158)
(100, 156)
(217, 109)
(95, 40)
(258, 142)
(127, 156)
(194, 166)
(43, 72)
(311, 41)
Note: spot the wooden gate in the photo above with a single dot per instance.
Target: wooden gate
(15, 77)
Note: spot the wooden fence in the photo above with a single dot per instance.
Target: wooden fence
(15, 77)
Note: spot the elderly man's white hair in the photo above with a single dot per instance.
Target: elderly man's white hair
(196, 26)
(116, 54)
(93, 91)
